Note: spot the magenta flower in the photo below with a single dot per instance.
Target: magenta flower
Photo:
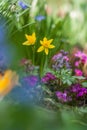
(82, 56)
(78, 90)
(84, 59)
(82, 92)
(48, 77)
(63, 97)
(78, 72)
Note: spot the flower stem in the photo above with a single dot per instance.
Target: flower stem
(42, 65)
(33, 57)
(46, 62)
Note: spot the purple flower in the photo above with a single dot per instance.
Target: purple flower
(82, 92)
(78, 72)
(78, 90)
(40, 18)
(60, 61)
(57, 56)
(31, 80)
(75, 88)
(22, 5)
(63, 97)
(48, 77)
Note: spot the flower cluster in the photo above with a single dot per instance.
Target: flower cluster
(75, 93)
(30, 92)
(67, 87)
(80, 61)
(78, 90)
(49, 77)
(63, 97)
(82, 57)
(27, 64)
(31, 80)
(60, 61)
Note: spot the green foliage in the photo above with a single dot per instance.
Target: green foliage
(84, 84)
(66, 77)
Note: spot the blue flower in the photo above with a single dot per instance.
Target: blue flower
(40, 18)
(22, 5)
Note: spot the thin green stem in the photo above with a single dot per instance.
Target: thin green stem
(42, 65)
(33, 56)
(46, 62)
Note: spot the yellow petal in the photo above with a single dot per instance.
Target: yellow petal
(41, 42)
(44, 39)
(34, 35)
(51, 46)
(41, 48)
(27, 36)
(46, 51)
(26, 43)
(7, 82)
(50, 41)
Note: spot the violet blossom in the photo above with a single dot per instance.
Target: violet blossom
(78, 90)
(48, 77)
(63, 97)
(31, 80)
(22, 5)
(60, 61)
(40, 18)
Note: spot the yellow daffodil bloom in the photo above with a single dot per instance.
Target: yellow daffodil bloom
(31, 39)
(7, 82)
(45, 45)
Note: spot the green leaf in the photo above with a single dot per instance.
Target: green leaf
(80, 77)
(84, 84)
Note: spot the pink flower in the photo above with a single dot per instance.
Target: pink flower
(77, 63)
(78, 72)
(82, 56)
(84, 59)
(66, 58)
(78, 54)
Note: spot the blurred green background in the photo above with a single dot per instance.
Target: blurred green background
(20, 117)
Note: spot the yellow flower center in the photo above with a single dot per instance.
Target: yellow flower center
(31, 40)
(46, 45)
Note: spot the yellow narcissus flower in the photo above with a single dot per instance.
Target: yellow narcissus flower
(7, 82)
(31, 39)
(45, 45)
